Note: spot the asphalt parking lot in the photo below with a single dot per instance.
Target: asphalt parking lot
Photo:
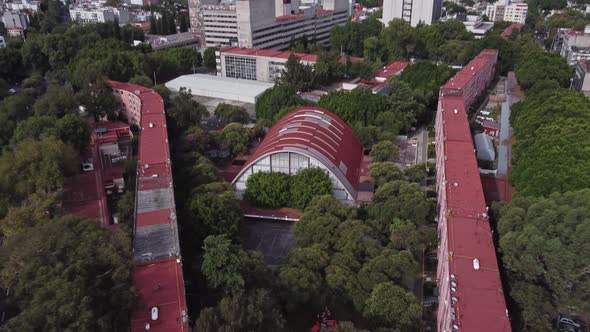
(273, 238)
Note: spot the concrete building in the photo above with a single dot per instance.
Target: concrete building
(265, 24)
(311, 137)
(504, 10)
(226, 88)
(581, 80)
(15, 23)
(177, 40)
(2, 42)
(412, 11)
(572, 45)
(471, 297)
(220, 25)
(157, 274)
(14, 20)
(91, 13)
(20, 5)
(255, 64)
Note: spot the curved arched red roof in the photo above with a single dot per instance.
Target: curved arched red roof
(316, 133)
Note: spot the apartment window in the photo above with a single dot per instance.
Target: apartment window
(239, 67)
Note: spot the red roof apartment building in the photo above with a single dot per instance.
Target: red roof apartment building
(471, 297)
(158, 268)
(313, 137)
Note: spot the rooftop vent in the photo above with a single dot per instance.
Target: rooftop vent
(453, 284)
(455, 327)
(476, 264)
(455, 111)
(453, 289)
(151, 125)
(452, 277)
(137, 92)
(155, 313)
(147, 326)
(454, 299)
(485, 215)
(455, 184)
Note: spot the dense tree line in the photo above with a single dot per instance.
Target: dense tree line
(550, 140)
(55, 284)
(277, 190)
(544, 249)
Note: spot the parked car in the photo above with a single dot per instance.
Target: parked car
(568, 323)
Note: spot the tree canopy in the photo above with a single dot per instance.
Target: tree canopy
(283, 190)
(55, 284)
(544, 249)
(550, 143)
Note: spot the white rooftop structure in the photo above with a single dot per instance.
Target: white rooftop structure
(220, 87)
(485, 147)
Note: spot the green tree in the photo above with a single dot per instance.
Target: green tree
(273, 100)
(298, 74)
(227, 113)
(57, 101)
(416, 173)
(404, 102)
(548, 153)
(544, 249)
(327, 68)
(404, 235)
(392, 305)
(98, 100)
(216, 209)
(320, 220)
(385, 151)
(255, 311)
(237, 137)
(307, 185)
(10, 63)
(221, 263)
(269, 189)
(209, 58)
(383, 172)
(141, 80)
(403, 200)
(357, 106)
(301, 275)
(399, 39)
(185, 111)
(25, 171)
(73, 130)
(87, 294)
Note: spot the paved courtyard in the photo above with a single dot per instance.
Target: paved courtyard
(270, 237)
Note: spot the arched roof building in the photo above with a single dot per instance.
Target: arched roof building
(310, 137)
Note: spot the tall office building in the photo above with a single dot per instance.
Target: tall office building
(412, 11)
(266, 24)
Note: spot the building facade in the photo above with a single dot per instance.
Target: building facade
(19, 5)
(506, 11)
(572, 45)
(220, 23)
(310, 137)
(412, 11)
(581, 81)
(266, 24)
(87, 14)
(254, 64)
(471, 297)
